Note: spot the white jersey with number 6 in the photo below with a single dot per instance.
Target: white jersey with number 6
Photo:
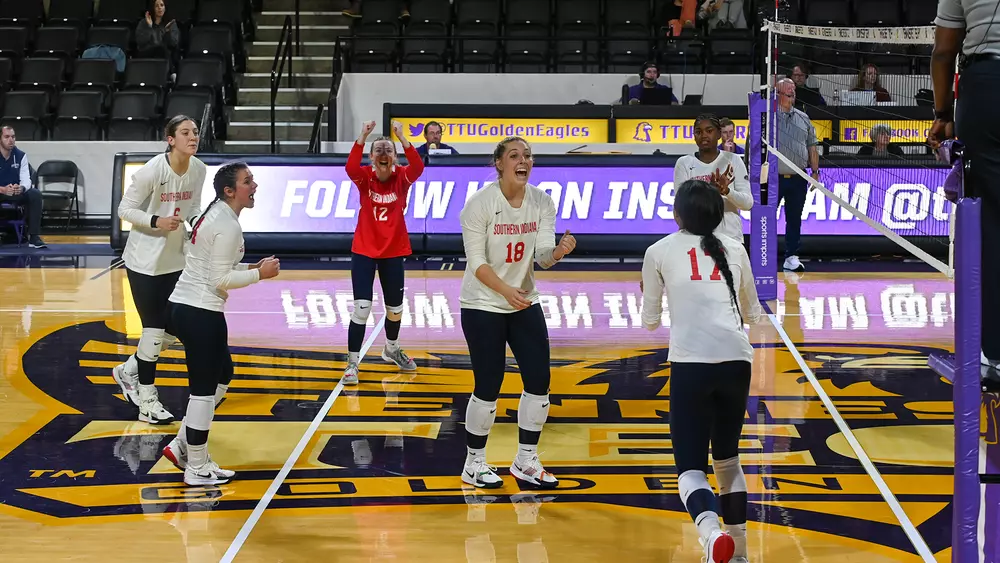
(509, 240)
(704, 327)
(157, 190)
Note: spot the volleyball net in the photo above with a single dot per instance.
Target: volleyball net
(866, 94)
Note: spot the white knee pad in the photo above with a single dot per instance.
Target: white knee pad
(532, 412)
(362, 308)
(479, 416)
(729, 476)
(394, 313)
(168, 341)
(690, 481)
(149, 344)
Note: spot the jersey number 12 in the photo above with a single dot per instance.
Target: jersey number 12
(716, 275)
(380, 212)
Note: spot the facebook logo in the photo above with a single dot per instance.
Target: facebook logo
(850, 133)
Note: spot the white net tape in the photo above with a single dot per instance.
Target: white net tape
(922, 35)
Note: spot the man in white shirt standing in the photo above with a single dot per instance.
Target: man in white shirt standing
(15, 185)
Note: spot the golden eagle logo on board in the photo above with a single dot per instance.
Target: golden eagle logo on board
(400, 436)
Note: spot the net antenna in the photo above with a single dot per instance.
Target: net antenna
(868, 94)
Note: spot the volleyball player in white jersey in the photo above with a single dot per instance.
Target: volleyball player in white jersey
(164, 193)
(709, 286)
(507, 227)
(722, 169)
(212, 269)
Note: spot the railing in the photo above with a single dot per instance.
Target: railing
(284, 54)
(331, 99)
(315, 143)
(207, 129)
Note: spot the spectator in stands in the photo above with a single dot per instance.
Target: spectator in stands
(650, 75)
(158, 37)
(804, 95)
(354, 10)
(677, 15)
(881, 145)
(723, 14)
(728, 130)
(15, 184)
(432, 134)
(868, 81)
(797, 142)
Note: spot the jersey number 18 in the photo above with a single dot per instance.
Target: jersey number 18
(716, 276)
(515, 252)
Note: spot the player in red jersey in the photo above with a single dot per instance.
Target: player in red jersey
(380, 241)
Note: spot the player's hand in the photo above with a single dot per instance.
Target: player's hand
(261, 262)
(722, 180)
(940, 132)
(269, 268)
(397, 129)
(515, 296)
(566, 245)
(168, 223)
(641, 289)
(367, 128)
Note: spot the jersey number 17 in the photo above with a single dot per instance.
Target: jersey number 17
(695, 275)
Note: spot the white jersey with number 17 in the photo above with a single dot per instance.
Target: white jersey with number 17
(509, 240)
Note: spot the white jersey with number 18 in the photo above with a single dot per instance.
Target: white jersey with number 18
(509, 240)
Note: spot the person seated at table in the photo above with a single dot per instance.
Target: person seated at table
(881, 145)
(868, 81)
(432, 134)
(650, 75)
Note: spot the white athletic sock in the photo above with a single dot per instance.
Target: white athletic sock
(220, 392)
(392, 345)
(475, 453)
(146, 391)
(739, 534)
(197, 455)
(526, 451)
(352, 357)
(707, 522)
(182, 433)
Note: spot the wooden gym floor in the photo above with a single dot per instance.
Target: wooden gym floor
(81, 480)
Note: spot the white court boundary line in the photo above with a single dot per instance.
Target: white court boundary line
(904, 521)
(258, 511)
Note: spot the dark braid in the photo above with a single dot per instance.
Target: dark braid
(700, 208)
(225, 177)
(709, 117)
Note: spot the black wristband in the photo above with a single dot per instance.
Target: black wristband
(152, 223)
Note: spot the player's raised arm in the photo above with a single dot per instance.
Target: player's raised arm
(414, 163)
(353, 165)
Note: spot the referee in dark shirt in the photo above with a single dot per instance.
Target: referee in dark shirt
(972, 28)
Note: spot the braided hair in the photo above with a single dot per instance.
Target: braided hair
(711, 118)
(700, 209)
(225, 177)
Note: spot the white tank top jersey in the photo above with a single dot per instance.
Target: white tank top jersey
(509, 240)
(157, 190)
(688, 167)
(213, 261)
(704, 327)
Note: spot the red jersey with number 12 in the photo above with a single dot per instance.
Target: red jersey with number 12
(381, 230)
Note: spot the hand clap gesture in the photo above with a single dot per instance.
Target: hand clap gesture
(566, 245)
(269, 267)
(722, 180)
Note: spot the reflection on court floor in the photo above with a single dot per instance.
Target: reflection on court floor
(379, 480)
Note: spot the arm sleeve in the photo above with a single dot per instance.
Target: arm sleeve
(739, 190)
(414, 165)
(25, 174)
(749, 302)
(223, 274)
(474, 235)
(199, 186)
(950, 14)
(545, 240)
(810, 133)
(680, 173)
(144, 37)
(138, 191)
(353, 167)
(172, 37)
(652, 291)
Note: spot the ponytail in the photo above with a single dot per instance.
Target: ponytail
(713, 247)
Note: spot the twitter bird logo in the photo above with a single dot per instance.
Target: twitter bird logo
(416, 130)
